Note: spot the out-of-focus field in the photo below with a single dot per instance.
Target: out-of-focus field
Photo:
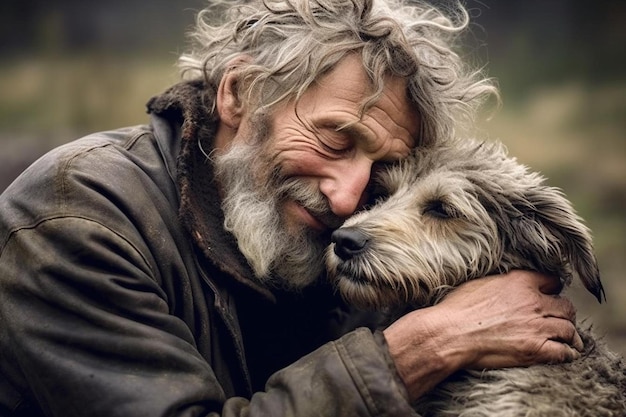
(564, 103)
(48, 101)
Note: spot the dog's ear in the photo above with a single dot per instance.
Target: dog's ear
(549, 232)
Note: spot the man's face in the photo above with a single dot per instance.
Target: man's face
(291, 177)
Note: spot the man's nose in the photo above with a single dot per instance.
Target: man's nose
(345, 186)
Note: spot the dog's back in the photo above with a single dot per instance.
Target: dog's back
(593, 386)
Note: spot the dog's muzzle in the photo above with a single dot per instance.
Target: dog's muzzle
(349, 242)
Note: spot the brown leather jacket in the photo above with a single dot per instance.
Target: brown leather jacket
(121, 295)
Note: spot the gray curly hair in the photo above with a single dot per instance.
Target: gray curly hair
(289, 44)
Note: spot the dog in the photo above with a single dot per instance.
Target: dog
(461, 210)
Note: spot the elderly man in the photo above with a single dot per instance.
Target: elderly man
(176, 268)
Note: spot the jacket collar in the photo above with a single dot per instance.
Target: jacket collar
(187, 107)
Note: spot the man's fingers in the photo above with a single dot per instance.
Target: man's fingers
(557, 352)
(557, 306)
(563, 332)
(547, 284)
(578, 343)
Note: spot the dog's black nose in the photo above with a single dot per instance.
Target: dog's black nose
(349, 242)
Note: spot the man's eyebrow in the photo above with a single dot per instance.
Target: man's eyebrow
(353, 129)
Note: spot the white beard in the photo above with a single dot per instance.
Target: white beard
(253, 194)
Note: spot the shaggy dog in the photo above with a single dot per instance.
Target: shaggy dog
(463, 210)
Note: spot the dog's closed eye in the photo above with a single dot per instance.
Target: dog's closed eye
(439, 209)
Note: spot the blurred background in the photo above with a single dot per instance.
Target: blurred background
(72, 67)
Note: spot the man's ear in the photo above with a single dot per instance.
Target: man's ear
(230, 107)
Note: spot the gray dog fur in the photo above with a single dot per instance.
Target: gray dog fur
(459, 211)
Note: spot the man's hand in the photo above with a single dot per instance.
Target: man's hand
(494, 322)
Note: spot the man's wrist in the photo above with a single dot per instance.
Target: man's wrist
(422, 352)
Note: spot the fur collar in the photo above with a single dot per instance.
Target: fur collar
(188, 105)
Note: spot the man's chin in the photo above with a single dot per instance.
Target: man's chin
(302, 262)
(295, 277)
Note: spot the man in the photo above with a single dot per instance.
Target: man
(176, 268)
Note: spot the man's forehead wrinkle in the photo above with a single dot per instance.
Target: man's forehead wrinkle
(351, 87)
(398, 128)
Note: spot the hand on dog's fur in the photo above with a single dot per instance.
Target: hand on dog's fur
(454, 213)
(499, 321)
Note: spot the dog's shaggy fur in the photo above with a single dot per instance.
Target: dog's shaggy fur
(460, 211)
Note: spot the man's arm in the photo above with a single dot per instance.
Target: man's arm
(499, 321)
(89, 333)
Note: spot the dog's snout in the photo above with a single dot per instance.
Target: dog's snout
(348, 242)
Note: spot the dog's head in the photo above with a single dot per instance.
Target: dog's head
(455, 212)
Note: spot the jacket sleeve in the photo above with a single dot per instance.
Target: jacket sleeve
(86, 330)
(348, 377)
(90, 333)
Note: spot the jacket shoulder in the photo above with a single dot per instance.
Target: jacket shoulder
(103, 176)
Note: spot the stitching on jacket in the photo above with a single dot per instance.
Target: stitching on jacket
(66, 217)
(134, 136)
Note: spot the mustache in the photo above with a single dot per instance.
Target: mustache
(308, 196)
